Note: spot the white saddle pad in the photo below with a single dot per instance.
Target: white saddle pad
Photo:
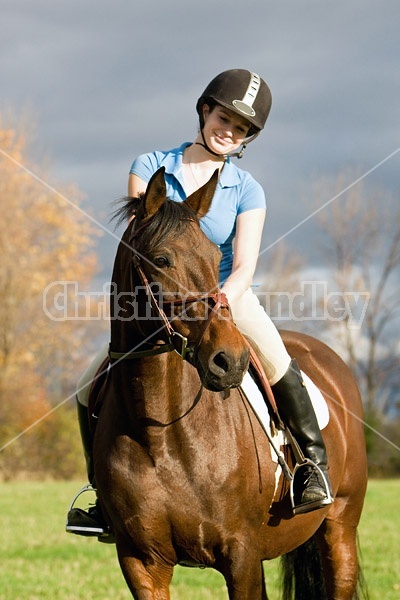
(257, 402)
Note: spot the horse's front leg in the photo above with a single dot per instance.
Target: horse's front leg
(146, 582)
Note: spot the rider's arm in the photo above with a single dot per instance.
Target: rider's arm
(136, 186)
(246, 247)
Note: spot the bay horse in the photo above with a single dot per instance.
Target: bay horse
(183, 469)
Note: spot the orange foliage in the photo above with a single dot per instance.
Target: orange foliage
(44, 238)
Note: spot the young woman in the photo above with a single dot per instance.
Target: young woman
(232, 111)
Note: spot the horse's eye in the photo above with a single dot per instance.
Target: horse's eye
(161, 262)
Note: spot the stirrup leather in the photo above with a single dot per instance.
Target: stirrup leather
(297, 488)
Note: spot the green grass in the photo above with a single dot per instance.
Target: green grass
(39, 561)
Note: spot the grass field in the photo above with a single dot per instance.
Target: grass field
(39, 561)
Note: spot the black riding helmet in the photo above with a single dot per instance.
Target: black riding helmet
(243, 92)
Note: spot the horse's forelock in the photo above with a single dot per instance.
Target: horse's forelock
(168, 223)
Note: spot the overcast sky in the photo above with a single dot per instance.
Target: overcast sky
(106, 81)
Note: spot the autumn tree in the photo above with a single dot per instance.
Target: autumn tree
(44, 239)
(361, 237)
(280, 280)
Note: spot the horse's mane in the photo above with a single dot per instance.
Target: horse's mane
(169, 221)
(126, 208)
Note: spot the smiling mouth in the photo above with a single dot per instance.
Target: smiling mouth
(222, 140)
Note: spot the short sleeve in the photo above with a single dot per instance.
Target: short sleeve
(145, 165)
(252, 195)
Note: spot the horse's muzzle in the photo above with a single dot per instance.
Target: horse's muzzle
(224, 369)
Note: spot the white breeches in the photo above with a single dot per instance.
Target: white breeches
(85, 382)
(251, 320)
(254, 323)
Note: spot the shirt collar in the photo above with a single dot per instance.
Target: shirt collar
(229, 176)
(172, 162)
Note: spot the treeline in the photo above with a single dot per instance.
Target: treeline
(44, 239)
(351, 300)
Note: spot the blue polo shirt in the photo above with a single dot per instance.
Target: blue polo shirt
(237, 192)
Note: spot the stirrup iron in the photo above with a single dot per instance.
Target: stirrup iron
(297, 488)
(87, 488)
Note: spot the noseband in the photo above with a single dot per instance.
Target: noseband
(185, 348)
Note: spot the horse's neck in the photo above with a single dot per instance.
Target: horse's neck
(155, 389)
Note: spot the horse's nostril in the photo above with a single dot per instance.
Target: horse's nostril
(221, 361)
(223, 371)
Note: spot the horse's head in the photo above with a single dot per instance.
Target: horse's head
(166, 281)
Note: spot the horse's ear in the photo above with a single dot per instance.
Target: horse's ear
(156, 193)
(200, 200)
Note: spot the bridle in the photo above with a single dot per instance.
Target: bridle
(185, 348)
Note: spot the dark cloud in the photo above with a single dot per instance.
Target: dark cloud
(107, 81)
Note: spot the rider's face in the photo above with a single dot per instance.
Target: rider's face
(224, 130)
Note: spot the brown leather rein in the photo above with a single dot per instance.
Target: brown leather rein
(175, 341)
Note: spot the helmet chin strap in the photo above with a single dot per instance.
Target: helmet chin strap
(206, 147)
(225, 156)
(240, 153)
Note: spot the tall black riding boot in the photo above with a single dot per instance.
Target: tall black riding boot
(79, 521)
(295, 406)
(86, 437)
